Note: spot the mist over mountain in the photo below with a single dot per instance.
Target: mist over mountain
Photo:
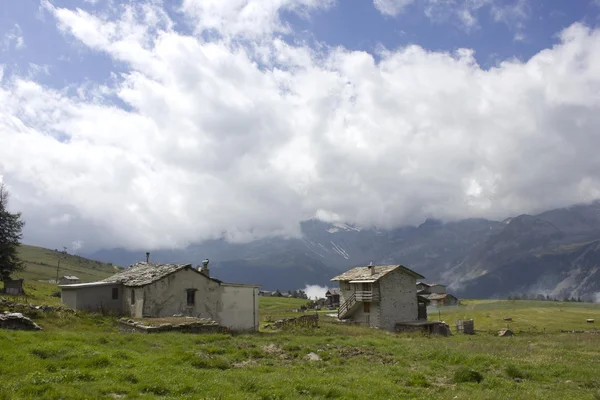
(554, 253)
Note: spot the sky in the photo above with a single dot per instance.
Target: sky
(155, 124)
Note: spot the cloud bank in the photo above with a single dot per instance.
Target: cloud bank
(228, 129)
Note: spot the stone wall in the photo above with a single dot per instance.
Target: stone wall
(197, 326)
(398, 299)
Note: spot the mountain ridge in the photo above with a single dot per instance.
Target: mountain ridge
(475, 257)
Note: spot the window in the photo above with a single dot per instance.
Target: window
(115, 293)
(191, 297)
(132, 296)
(367, 307)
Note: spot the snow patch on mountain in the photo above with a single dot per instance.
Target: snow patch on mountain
(338, 226)
(340, 250)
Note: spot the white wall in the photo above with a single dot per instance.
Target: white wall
(69, 298)
(93, 298)
(168, 296)
(239, 307)
(135, 310)
(398, 299)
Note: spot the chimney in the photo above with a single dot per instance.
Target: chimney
(147, 257)
(204, 269)
(371, 268)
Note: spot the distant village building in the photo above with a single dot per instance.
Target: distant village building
(441, 299)
(68, 280)
(165, 290)
(13, 286)
(333, 298)
(379, 296)
(431, 287)
(435, 294)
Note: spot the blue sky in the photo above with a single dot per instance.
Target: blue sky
(147, 124)
(354, 24)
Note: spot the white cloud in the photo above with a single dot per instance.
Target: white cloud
(251, 136)
(315, 291)
(391, 7)
(250, 18)
(13, 38)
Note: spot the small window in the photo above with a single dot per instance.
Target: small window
(132, 296)
(367, 307)
(115, 293)
(191, 297)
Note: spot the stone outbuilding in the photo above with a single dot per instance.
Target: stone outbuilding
(68, 280)
(379, 296)
(333, 298)
(164, 290)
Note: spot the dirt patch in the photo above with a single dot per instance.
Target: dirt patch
(369, 353)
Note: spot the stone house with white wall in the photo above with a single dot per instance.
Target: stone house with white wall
(164, 290)
(379, 296)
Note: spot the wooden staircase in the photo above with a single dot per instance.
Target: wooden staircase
(347, 306)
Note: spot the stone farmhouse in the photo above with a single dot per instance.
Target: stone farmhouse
(379, 296)
(164, 290)
(435, 294)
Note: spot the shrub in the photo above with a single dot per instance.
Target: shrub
(515, 373)
(467, 375)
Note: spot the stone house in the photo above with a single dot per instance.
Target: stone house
(436, 294)
(165, 290)
(68, 279)
(379, 296)
(333, 298)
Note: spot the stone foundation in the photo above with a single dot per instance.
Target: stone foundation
(192, 326)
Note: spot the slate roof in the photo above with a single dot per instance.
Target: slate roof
(437, 296)
(333, 291)
(380, 271)
(142, 273)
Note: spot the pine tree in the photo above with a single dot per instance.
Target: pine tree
(11, 227)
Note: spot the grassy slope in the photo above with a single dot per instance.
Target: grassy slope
(40, 263)
(532, 316)
(79, 357)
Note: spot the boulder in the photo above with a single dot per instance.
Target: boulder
(17, 321)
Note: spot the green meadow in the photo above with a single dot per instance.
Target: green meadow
(83, 356)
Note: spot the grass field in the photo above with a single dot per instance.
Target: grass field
(527, 315)
(84, 357)
(41, 264)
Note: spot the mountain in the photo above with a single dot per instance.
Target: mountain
(556, 253)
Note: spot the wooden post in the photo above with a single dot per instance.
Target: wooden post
(57, 267)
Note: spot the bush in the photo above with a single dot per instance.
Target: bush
(515, 373)
(467, 375)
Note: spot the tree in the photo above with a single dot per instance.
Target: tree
(11, 227)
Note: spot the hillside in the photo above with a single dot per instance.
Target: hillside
(41, 264)
(556, 252)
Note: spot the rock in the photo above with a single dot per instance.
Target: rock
(312, 357)
(178, 315)
(505, 332)
(17, 321)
